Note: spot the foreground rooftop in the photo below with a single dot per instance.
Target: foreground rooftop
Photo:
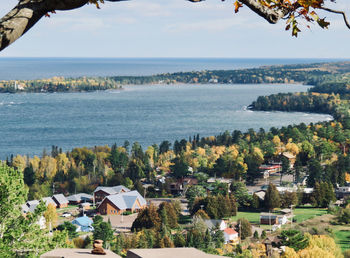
(72, 253)
(168, 253)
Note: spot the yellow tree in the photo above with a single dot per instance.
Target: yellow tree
(292, 148)
(48, 167)
(62, 163)
(35, 161)
(19, 162)
(50, 216)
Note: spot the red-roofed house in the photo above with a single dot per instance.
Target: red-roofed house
(230, 235)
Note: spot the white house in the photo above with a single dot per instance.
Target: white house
(212, 223)
(230, 235)
(282, 219)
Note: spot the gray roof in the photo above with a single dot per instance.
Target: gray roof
(32, 208)
(31, 203)
(112, 189)
(126, 200)
(49, 200)
(80, 197)
(60, 198)
(211, 223)
(25, 208)
(260, 194)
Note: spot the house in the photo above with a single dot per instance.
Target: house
(102, 191)
(342, 192)
(261, 194)
(291, 157)
(272, 219)
(32, 205)
(184, 252)
(213, 223)
(230, 235)
(79, 198)
(302, 181)
(60, 200)
(283, 189)
(220, 180)
(118, 203)
(25, 209)
(268, 219)
(84, 224)
(49, 200)
(182, 184)
(270, 169)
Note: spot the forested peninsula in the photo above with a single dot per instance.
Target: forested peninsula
(318, 74)
(59, 84)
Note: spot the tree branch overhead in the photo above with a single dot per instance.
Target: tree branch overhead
(28, 12)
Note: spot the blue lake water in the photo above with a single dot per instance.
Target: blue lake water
(36, 68)
(147, 114)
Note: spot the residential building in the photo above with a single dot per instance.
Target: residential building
(49, 200)
(102, 191)
(60, 200)
(270, 169)
(118, 203)
(213, 223)
(83, 224)
(79, 198)
(291, 157)
(32, 205)
(272, 219)
(230, 235)
(342, 192)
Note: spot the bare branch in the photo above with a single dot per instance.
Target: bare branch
(337, 12)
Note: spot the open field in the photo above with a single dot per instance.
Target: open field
(302, 214)
(342, 237)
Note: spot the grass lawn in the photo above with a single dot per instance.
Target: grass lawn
(252, 217)
(302, 214)
(342, 238)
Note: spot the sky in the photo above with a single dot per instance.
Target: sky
(175, 28)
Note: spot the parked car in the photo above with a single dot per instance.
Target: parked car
(66, 215)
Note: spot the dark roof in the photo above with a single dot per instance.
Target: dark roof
(60, 198)
(112, 189)
(79, 197)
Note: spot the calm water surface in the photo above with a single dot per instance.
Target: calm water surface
(147, 114)
(37, 68)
